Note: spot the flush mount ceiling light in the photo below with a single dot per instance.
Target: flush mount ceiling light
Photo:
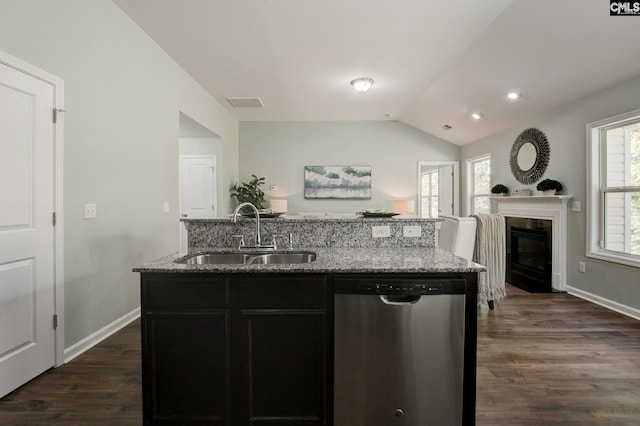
(362, 84)
(513, 95)
(475, 116)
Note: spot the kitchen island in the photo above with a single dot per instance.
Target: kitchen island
(264, 344)
(254, 344)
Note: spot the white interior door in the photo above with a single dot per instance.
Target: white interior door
(197, 190)
(445, 190)
(27, 274)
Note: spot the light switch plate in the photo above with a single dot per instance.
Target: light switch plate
(166, 207)
(412, 231)
(582, 267)
(380, 231)
(90, 211)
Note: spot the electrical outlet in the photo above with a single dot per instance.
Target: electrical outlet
(380, 231)
(582, 267)
(413, 231)
(90, 211)
(576, 206)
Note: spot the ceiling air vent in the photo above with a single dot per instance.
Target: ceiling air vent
(245, 102)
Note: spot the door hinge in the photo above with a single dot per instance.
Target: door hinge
(55, 321)
(55, 218)
(55, 114)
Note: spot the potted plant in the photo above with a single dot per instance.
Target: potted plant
(499, 190)
(549, 186)
(249, 192)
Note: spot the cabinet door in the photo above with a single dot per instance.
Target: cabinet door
(186, 368)
(281, 370)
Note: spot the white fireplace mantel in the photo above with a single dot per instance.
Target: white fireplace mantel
(553, 208)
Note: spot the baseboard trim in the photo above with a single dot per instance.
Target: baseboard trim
(609, 304)
(90, 341)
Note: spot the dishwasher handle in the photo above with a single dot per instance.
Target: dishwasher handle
(399, 299)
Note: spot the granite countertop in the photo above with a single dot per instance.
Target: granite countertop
(332, 260)
(320, 219)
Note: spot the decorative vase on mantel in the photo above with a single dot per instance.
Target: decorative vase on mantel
(499, 190)
(549, 187)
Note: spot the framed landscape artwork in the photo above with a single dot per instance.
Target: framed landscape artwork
(337, 182)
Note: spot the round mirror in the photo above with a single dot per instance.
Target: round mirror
(529, 156)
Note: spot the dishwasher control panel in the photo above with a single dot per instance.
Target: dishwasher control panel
(391, 286)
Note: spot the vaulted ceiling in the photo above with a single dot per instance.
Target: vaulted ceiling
(433, 62)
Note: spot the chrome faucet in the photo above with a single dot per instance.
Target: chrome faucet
(234, 219)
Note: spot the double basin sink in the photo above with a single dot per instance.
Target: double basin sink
(248, 258)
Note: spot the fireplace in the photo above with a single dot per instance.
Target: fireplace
(553, 208)
(529, 253)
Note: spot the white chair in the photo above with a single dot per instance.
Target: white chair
(458, 235)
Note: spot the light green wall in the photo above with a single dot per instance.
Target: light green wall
(280, 150)
(123, 95)
(565, 130)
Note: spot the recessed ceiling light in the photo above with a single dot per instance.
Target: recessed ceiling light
(513, 96)
(362, 84)
(475, 116)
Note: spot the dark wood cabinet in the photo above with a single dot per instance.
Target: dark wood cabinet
(253, 348)
(237, 350)
(188, 368)
(186, 346)
(281, 334)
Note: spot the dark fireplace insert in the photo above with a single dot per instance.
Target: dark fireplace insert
(529, 254)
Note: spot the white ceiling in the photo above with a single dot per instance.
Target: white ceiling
(433, 61)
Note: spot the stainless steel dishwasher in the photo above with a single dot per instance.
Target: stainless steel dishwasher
(398, 351)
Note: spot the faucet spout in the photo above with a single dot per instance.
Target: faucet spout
(234, 219)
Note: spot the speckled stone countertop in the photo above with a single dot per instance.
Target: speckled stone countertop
(331, 260)
(312, 232)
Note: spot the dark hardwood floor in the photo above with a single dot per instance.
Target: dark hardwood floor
(543, 359)
(100, 387)
(554, 359)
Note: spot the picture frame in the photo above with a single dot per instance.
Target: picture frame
(337, 182)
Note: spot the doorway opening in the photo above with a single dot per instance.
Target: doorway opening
(200, 154)
(438, 188)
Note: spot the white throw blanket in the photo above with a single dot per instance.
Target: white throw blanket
(490, 251)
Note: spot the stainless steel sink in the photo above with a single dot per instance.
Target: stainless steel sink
(248, 259)
(282, 258)
(216, 259)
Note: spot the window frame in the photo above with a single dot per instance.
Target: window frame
(471, 195)
(431, 173)
(596, 193)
